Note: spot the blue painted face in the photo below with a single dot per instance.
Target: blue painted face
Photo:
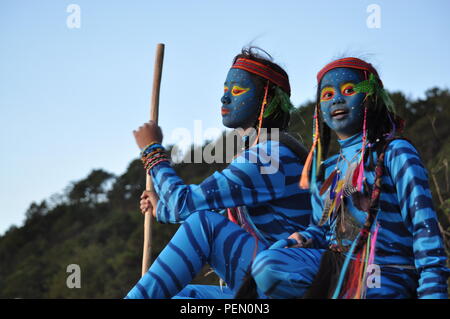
(241, 99)
(342, 108)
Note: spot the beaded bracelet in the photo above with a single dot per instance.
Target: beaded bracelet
(150, 161)
(144, 158)
(157, 162)
(153, 153)
(150, 154)
(147, 149)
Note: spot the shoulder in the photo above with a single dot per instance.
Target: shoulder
(401, 157)
(400, 149)
(400, 143)
(275, 149)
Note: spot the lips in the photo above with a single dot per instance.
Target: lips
(339, 113)
(225, 111)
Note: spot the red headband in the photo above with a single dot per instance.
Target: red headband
(353, 63)
(263, 71)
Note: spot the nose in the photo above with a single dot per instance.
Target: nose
(225, 99)
(338, 99)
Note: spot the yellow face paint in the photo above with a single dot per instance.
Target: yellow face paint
(225, 89)
(348, 89)
(326, 94)
(237, 90)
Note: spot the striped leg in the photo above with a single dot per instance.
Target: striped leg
(289, 272)
(205, 237)
(205, 292)
(286, 272)
(394, 283)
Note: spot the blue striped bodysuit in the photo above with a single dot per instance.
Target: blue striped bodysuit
(273, 204)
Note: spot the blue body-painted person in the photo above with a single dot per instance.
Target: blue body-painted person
(374, 232)
(236, 213)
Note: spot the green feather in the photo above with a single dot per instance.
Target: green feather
(271, 107)
(372, 87)
(387, 100)
(280, 102)
(367, 86)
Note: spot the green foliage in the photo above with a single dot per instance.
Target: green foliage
(96, 223)
(279, 103)
(90, 189)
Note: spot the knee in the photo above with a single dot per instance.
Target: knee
(265, 270)
(199, 217)
(200, 221)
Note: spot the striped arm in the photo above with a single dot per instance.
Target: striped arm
(318, 234)
(411, 182)
(241, 183)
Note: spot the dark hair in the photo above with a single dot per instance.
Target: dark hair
(279, 119)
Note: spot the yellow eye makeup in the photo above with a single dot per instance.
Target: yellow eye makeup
(225, 89)
(326, 94)
(348, 89)
(237, 90)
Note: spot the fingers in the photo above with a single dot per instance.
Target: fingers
(307, 243)
(145, 203)
(299, 239)
(145, 125)
(150, 124)
(146, 194)
(147, 133)
(296, 236)
(145, 208)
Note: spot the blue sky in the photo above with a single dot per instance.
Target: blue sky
(70, 98)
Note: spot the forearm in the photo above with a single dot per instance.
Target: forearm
(317, 236)
(240, 184)
(411, 181)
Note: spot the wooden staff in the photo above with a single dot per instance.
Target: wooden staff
(154, 108)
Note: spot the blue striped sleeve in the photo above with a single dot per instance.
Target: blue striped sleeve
(255, 177)
(411, 183)
(316, 233)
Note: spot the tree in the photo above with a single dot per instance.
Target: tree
(92, 189)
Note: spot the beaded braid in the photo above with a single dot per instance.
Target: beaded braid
(375, 196)
(325, 137)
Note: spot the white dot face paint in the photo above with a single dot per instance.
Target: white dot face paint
(342, 107)
(241, 100)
